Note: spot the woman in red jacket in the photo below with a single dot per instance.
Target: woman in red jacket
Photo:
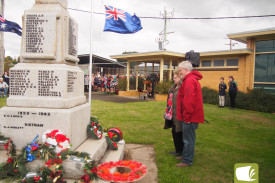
(189, 110)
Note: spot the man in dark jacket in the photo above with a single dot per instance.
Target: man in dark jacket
(189, 110)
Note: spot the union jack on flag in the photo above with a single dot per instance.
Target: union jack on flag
(114, 12)
(2, 19)
(120, 21)
(9, 26)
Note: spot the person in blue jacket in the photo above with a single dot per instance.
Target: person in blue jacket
(233, 90)
(222, 88)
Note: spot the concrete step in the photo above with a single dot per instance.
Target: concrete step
(114, 156)
(96, 148)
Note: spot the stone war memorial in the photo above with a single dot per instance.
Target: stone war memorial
(46, 88)
(46, 100)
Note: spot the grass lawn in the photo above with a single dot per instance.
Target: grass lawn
(231, 137)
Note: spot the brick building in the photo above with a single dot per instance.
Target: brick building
(252, 67)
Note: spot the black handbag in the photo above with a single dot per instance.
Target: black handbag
(193, 57)
(168, 124)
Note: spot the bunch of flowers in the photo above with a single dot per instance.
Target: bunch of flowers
(53, 171)
(114, 135)
(37, 179)
(57, 140)
(95, 128)
(32, 178)
(90, 170)
(138, 171)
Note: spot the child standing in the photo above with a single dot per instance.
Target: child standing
(222, 88)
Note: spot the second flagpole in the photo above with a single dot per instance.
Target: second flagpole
(91, 55)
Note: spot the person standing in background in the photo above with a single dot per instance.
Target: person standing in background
(92, 81)
(189, 110)
(86, 83)
(222, 88)
(233, 90)
(172, 119)
(6, 79)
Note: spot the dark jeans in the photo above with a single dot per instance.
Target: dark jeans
(178, 143)
(5, 90)
(189, 137)
(232, 96)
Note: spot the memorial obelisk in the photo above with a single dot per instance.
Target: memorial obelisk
(46, 88)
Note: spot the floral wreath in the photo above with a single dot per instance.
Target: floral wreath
(138, 171)
(95, 128)
(114, 135)
(8, 169)
(8, 145)
(56, 139)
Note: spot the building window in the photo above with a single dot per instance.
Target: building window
(218, 63)
(265, 46)
(206, 63)
(265, 68)
(232, 62)
(266, 87)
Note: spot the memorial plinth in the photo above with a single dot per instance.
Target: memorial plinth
(47, 87)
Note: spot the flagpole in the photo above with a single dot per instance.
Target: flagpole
(2, 48)
(91, 55)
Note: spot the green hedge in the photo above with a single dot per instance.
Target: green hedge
(256, 99)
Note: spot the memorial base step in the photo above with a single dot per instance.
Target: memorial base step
(23, 124)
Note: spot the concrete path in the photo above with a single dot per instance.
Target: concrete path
(113, 98)
(144, 154)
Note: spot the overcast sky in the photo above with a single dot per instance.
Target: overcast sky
(198, 35)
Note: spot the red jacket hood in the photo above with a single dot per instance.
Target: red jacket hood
(193, 74)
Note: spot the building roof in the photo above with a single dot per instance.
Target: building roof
(148, 54)
(99, 61)
(242, 36)
(182, 55)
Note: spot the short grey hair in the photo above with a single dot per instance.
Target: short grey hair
(186, 65)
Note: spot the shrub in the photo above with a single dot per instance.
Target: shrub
(122, 83)
(256, 99)
(163, 87)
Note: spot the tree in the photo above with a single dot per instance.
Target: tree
(10, 62)
(124, 53)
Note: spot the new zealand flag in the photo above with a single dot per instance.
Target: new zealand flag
(120, 21)
(8, 26)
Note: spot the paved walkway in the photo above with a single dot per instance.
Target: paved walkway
(113, 98)
(144, 154)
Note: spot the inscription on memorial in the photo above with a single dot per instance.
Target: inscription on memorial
(24, 116)
(72, 48)
(40, 33)
(20, 82)
(47, 82)
(72, 77)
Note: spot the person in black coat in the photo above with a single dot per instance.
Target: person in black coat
(6, 79)
(233, 90)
